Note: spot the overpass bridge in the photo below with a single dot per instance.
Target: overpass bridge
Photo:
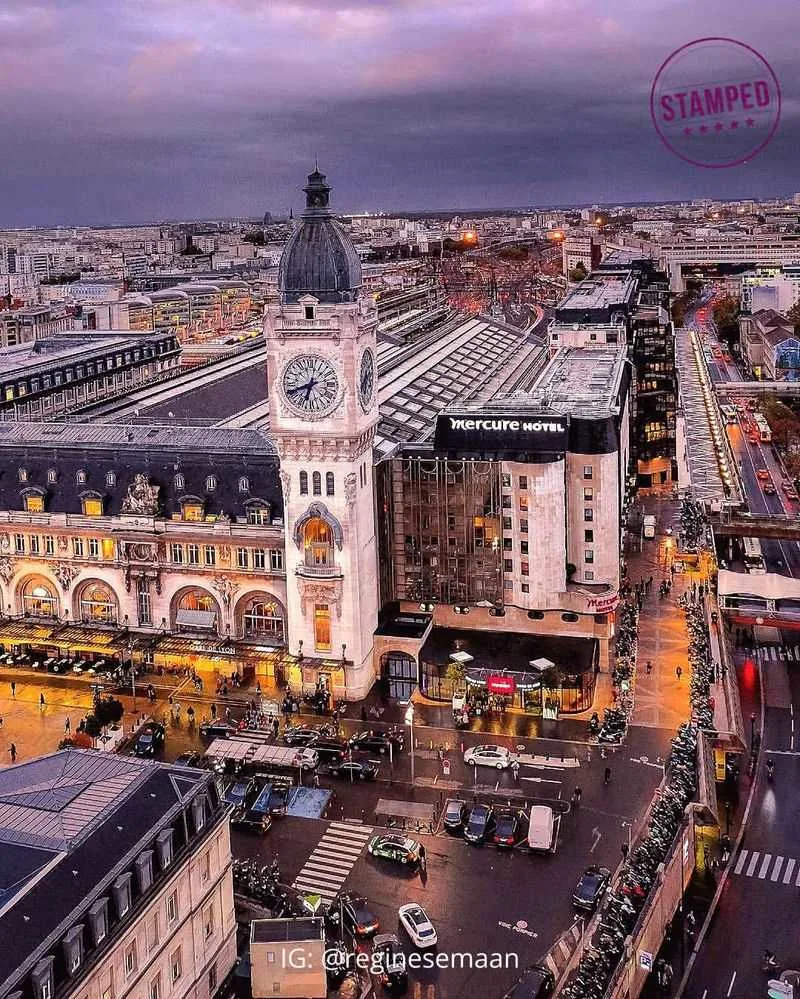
(730, 523)
(757, 390)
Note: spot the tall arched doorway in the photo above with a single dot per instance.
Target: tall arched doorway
(96, 604)
(39, 598)
(194, 609)
(399, 675)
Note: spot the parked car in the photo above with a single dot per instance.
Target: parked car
(300, 735)
(354, 909)
(396, 848)
(238, 792)
(488, 756)
(330, 750)
(479, 824)
(506, 829)
(374, 742)
(149, 740)
(536, 983)
(189, 759)
(389, 958)
(415, 922)
(250, 820)
(591, 887)
(217, 730)
(354, 770)
(455, 814)
(789, 490)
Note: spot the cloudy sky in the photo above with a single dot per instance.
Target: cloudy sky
(133, 110)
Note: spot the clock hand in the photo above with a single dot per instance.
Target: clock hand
(311, 385)
(298, 388)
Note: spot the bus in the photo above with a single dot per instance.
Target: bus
(753, 559)
(762, 427)
(730, 414)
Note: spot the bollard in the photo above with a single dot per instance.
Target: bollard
(462, 745)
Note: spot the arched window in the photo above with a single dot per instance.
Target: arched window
(211, 483)
(263, 617)
(52, 475)
(98, 605)
(180, 482)
(81, 477)
(329, 484)
(244, 484)
(304, 483)
(22, 474)
(318, 543)
(111, 479)
(39, 599)
(316, 479)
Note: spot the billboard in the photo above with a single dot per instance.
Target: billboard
(500, 434)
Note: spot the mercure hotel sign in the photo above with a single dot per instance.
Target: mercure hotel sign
(495, 433)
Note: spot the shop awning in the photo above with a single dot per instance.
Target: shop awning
(86, 639)
(196, 619)
(172, 645)
(19, 631)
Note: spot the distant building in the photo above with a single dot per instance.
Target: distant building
(33, 323)
(770, 346)
(287, 958)
(584, 249)
(117, 880)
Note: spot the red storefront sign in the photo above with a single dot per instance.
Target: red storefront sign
(501, 684)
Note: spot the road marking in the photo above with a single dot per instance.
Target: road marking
(752, 865)
(787, 873)
(597, 836)
(740, 862)
(730, 987)
(539, 780)
(764, 865)
(776, 869)
(332, 859)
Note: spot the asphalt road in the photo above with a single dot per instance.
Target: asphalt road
(759, 903)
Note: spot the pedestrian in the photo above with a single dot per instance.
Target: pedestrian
(67, 726)
(678, 673)
(275, 727)
(13, 750)
(691, 923)
(576, 795)
(515, 770)
(423, 858)
(607, 776)
(363, 712)
(315, 780)
(42, 701)
(13, 688)
(214, 711)
(624, 848)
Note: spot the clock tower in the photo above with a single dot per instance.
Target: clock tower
(323, 409)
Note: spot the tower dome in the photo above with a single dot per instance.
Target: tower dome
(320, 258)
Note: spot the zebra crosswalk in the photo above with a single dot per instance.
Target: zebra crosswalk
(768, 867)
(332, 859)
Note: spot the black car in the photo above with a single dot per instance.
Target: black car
(589, 890)
(375, 742)
(354, 769)
(536, 983)
(506, 829)
(300, 735)
(331, 750)
(479, 824)
(149, 740)
(389, 958)
(455, 814)
(217, 730)
(339, 960)
(189, 759)
(354, 909)
(250, 820)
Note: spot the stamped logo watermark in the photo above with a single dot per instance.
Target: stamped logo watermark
(715, 102)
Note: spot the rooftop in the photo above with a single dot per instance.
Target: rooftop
(600, 291)
(582, 381)
(27, 358)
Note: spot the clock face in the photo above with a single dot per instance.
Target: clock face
(366, 378)
(310, 384)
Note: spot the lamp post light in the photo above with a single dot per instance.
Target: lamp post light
(410, 722)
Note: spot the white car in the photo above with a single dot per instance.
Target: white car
(416, 923)
(488, 756)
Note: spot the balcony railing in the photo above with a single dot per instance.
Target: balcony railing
(319, 571)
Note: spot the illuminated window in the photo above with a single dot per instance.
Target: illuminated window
(258, 515)
(34, 503)
(111, 479)
(81, 477)
(318, 543)
(22, 473)
(92, 507)
(211, 483)
(107, 546)
(192, 511)
(322, 628)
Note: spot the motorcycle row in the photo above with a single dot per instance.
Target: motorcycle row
(601, 959)
(615, 719)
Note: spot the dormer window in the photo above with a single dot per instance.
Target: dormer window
(199, 812)
(192, 510)
(22, 474)
(81, 477)
(144, 871)
(308, 311)
(244, 484)
(164, 848)
(73, 949)
(257, 513)
(121, 891)
(180, 482)
(111, 479)
(92, 506)
(211, 483)
(42, 979)
(34, 502)
(52, 476)
(98, 920)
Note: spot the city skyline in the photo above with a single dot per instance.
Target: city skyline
(214, 109)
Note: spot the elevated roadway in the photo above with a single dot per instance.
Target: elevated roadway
(757, 390)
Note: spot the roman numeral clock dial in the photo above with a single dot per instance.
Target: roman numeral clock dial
(310, 385)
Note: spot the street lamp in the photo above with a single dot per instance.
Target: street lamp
(629, 825)
(410, 722)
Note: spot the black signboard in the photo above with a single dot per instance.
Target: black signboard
(501, 433)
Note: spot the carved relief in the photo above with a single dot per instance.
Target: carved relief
(6, 569)
(225, 555)
(286, 482)
(64, 574)
(5, 542)
(63, 543)
(319, 592)
(226, 588)
(350, 489)
(142, 497)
